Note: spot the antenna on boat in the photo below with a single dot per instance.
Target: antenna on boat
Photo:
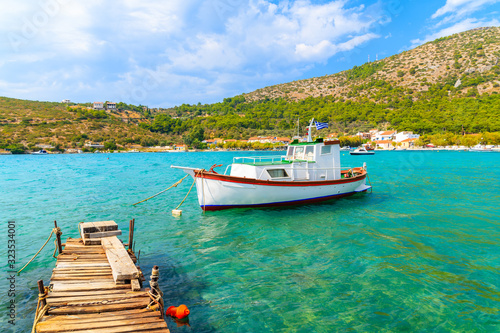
(309, 138)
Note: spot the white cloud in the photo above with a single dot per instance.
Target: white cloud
(464, 25)
(460, 8)
(142, 48)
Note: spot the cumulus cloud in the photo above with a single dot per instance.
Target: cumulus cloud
(138, 49)
(454, 17)
(461, 8)
(464, 25)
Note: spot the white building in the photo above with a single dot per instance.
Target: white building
(111, 105)
(98, 105)
(66, 101)
(401, 136)
(93, 145)
(384, 136)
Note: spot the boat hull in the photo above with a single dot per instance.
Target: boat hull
(218, 192)
(368, 153)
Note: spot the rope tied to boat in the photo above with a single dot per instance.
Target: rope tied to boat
(56, 231)
(194, 181)
(173, 185)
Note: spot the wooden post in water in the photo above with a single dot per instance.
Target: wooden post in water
(155, 288)
(58, 237)
(131, 234)
(41, 291)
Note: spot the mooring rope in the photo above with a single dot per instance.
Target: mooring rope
(54, 230)
(39, 313)
(194, 181)
(174, 185)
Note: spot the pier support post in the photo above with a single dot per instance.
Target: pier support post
(58, 237)
(41, 291)
(155, 288)
(131, 234)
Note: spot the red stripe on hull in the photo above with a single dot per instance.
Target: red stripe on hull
(282, 204)
(252, 181)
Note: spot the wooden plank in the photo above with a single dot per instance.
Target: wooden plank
(123, 267)
(88, 287)
(96, 292)
(152, 327)
(135, 285)
(119, 305)
(90, 298)
(83, 275)
(81, 265)
(91, 227)
(132, 322)
(54, 323)
(104, 234)
(85, 305)
(91, 317)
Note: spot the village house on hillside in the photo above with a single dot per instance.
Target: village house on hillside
(390, 139)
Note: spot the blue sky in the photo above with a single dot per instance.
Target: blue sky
(165, 53)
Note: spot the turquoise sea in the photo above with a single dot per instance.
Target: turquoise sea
(419, 254)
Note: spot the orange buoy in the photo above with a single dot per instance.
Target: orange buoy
(178, 312)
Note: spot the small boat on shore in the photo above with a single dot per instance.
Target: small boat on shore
(480, 149)
(362, 151)
(40, 152)
(309, 172)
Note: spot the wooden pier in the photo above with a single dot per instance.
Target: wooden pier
(97, 288)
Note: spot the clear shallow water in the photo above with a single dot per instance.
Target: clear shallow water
(421, 253)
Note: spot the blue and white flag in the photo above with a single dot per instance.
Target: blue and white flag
(320, 125)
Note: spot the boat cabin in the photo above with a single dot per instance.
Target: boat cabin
(304, 161)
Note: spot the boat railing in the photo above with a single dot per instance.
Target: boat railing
(308, 171)
(259, 159)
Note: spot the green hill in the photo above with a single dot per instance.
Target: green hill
(23, 124)
(445, 88)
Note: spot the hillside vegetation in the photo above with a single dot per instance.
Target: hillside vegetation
(23, 124)
(442, 89)
(465, 64)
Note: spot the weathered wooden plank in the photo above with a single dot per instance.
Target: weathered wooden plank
(132, 322)
(151, 327)
(136, 286)
(118, 305)
(81, 276)
(88, 305)
(104, 234)
(90, 317)
(91, 227)
(88, 286)
(80, 265)
(123, 267)
(89, 293)
(90, 298)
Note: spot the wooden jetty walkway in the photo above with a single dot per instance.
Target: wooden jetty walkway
(97, 288)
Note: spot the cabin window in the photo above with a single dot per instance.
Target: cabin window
(310, 153)
(277, 173)
(299, 153)
(289, 153)
(325, 150)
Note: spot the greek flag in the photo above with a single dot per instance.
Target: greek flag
(320, 125)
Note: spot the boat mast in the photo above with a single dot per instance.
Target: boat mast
(309, 137)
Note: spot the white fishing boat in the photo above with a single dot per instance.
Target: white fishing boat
(362, 151)
(40, 152)
(309, 172)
